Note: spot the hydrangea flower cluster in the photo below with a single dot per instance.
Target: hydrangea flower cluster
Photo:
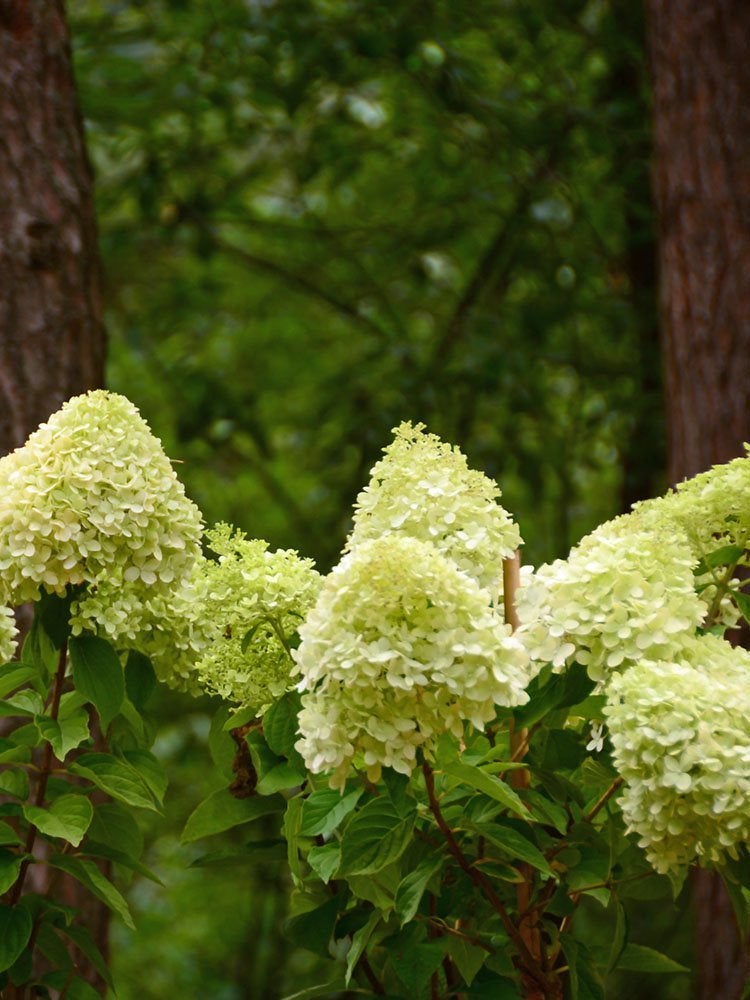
(622, 595)
(401, 647)
(251, 590)
(89, 496)
(8, 633)
(681, 742)
(425, 489)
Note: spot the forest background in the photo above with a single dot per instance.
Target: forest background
(318, 218)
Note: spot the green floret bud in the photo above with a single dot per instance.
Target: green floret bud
(400, 647)
(425, 489)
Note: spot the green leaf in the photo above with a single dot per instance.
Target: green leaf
(10, 864)
(619, 936)
(53, 611)
(8, 835)
(39, 651)
(81, 937)
(324, 810)
(284, 775)
(140, 679)
(15, 931)
(333, 988)
(727, 555)
(467, 957)
(360, 940)
(280, 725)
(115, 825)
(583, 980)
(67, 817)
(292, 823)
(221, 811)
(115, 777)
(255, 852)
(151, 770)
(498, 790)
(374, 837)
(15, 782)
(64, 734)
(240, 718)
(123, 858)
(98, 675)
(415, 963)
(313, 930)
(324, 860)
(89, 875)
(411, 889)
(14, 675)
(639, 958)
(743, 603)
(514, 845)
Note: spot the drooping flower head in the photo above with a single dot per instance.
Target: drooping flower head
(254, 600)
(622, 595)
(681, 741)
(91, 494)
(425, 489)
(401, 647)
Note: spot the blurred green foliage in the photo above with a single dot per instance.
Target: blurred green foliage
(321, 217)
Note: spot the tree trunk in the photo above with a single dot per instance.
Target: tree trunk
(51, 332)
(700, 57)
(52, 340)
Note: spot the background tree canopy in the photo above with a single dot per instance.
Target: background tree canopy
(321, 218)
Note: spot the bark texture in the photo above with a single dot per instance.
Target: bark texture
(51, 333)
(700, 56)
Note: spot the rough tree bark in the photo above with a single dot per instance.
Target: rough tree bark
(51, 332)
(52, 340)
(700, 56)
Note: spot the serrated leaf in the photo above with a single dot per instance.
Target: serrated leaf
(221, 811)
(89, 875)
(360, 940)
(376, 836)
(324, 810)
(411, 889)
(64, 734)
(498, 790)
(10, 864)
(67, 817)
(324, 860)
(98, 675)
(115, 777)
(514, 846)
(15, 931)
(140, 678)
(313, 930)
(640, 958)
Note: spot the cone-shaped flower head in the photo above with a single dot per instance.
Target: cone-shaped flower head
(401, 647)
(255, 601)
(91, 494)
(8, 633)
(622, 595)
(424, 488)
(681, 742)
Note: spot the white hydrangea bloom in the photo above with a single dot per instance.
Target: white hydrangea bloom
(622, 595)
(681, 742)
(92, 493)
(424, 488)
(252, 589)
(8, 633)
(401, 647)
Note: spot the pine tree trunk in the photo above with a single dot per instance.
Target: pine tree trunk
(52, 340)
(51, 333)
(700, 56)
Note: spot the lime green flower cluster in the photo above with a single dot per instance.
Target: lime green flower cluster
(424, 488)
(90, 494)
(623, 594)
(681, 742)
(405, 642)
(8, 634)
(251, 603)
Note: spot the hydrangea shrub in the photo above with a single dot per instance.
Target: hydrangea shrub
(452, 766)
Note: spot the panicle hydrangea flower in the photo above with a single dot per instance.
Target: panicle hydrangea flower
(401, 647)
(681, 742)
(250, 589)
(8, 633)
(622, 595)
(424, 488)
(92, 493)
